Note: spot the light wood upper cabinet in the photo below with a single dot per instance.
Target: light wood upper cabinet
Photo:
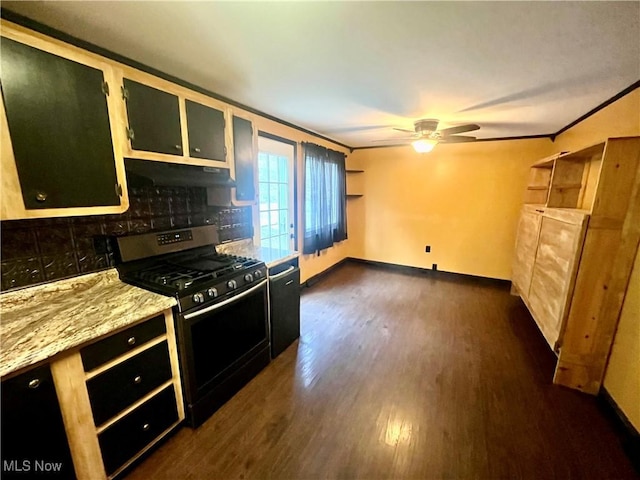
(59, 155)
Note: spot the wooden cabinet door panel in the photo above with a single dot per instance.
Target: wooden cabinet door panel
(559, 248)
(32, 426)
(243, 156)
(206, 131)
(58, 120)
(526, 245)
(154, 117)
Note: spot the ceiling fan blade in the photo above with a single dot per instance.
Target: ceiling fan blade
(456, 139)
(459, 129)
(405, 130)
(401, 139)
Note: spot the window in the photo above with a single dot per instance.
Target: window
(324, 198)
(275, 190)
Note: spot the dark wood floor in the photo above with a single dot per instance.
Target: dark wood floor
(402, 376)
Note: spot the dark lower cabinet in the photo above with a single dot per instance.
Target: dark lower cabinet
(125, 438)
(58, 121)
(115, 389)
(284, 293)
(205, 126)
(243, 157)
(154, 119)
(120, 343)
(34, 442)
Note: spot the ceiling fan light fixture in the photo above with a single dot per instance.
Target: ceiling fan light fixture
(424, 145)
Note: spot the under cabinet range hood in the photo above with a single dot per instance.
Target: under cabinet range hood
(147, 173)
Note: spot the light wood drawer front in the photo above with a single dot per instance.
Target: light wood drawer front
(526, 245)
(111, 347)
(115, 389)
(553, 276)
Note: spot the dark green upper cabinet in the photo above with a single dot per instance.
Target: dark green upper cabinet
(154, 119)
(58, 121)
(243, 157)
(206, 132)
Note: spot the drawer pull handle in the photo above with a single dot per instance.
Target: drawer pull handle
(196, 149)
(35, 383)
(288, 283)
(41, 196)
(131, 341)
(137, 379)
(146, 427)
(178, 147)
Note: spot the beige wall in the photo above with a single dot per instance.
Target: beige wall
(462, 199)
(620, 119)
(622, 377)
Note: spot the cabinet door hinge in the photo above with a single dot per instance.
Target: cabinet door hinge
(118, 190)
(125, 93)
(105, 88)
(131, 134)
(225, 151)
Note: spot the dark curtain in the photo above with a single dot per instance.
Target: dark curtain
(325, 219)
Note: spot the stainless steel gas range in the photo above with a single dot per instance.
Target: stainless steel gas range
(222, 319)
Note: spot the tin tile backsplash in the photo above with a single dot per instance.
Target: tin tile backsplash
(40, 250)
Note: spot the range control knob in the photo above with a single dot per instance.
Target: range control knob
(232, 284)
(257, 274)
(248, 278)
(212, 292)
(198, 297)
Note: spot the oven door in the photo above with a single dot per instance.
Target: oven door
(218, 339)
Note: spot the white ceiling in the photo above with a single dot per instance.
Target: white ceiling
(353, 70)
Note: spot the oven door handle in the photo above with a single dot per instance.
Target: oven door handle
(204, 311)
(282, 274)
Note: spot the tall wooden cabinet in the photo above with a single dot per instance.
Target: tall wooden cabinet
(577, 237)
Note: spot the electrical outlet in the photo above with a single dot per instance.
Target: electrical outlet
(434, 266)
(427, 249)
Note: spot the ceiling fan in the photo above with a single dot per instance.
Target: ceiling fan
(426, 135)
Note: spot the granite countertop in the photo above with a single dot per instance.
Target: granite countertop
(246, 248)
(38, 322)
(272, 256)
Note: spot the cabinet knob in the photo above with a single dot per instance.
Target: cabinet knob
(41, 196)
(178, 147)
(137, 379)
(146, 427)
(131, 341)
(35, 383)
(196, 149)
